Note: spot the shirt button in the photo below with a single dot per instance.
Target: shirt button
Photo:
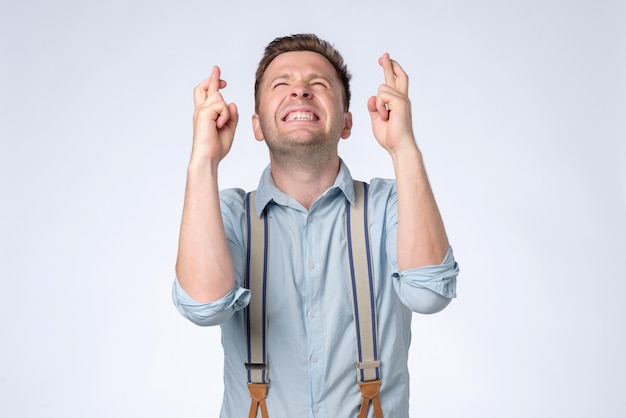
(311, 265)
(316, 409)
(311, 314)
(314, 359)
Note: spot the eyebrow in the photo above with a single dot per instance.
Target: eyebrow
(279, 77)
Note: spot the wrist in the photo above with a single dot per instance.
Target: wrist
(405, 152)
(203, 166)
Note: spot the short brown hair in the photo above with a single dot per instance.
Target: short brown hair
(303, 42)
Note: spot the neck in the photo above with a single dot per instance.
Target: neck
(304, 182)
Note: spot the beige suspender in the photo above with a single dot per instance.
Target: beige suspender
(255, 313)
(363, 296)
(364, 300)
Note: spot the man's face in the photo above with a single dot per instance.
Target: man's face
(301, 103)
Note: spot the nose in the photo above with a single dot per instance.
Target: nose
(301, 90)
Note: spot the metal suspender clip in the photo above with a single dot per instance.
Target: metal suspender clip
(257, 366)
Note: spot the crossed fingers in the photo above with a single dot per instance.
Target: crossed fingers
(395, 77)
(207, 94)
(396, 86)
(208, 87)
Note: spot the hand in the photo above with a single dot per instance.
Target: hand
(390, 109)
(214, 121)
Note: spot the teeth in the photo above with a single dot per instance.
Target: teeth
(300, 116)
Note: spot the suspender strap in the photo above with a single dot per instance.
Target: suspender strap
(255, 314)
(364, 301)
(362, 284)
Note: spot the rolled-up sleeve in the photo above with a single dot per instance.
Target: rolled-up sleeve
(428, 289)
(211, 313)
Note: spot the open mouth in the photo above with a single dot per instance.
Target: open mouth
(301, 115)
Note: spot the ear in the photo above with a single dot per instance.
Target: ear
(347, 126)
(256, 128)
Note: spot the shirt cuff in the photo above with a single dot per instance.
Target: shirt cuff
(440, 279)
(210, 313)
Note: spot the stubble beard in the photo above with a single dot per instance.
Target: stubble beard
(303, 153)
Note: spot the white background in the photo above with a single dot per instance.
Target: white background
(519, 108)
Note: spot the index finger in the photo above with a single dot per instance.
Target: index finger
(402, 79)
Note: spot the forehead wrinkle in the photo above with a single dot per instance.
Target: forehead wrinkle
(289, 70)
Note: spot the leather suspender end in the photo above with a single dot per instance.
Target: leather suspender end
(369, 393)
(258, 393)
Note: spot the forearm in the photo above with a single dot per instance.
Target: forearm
(422, 237)
(204, 266)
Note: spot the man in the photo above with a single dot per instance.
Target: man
(302, 101)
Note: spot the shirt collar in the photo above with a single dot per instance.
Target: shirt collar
(268, 192)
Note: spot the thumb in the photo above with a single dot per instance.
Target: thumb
(371, 104)
(234, 115)
(227, 116)
(375, 110)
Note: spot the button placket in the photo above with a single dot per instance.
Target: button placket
(313, 289)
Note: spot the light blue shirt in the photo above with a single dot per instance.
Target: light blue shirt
(312, 351)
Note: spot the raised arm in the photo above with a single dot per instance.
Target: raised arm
(422, 238)
(204, 266)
